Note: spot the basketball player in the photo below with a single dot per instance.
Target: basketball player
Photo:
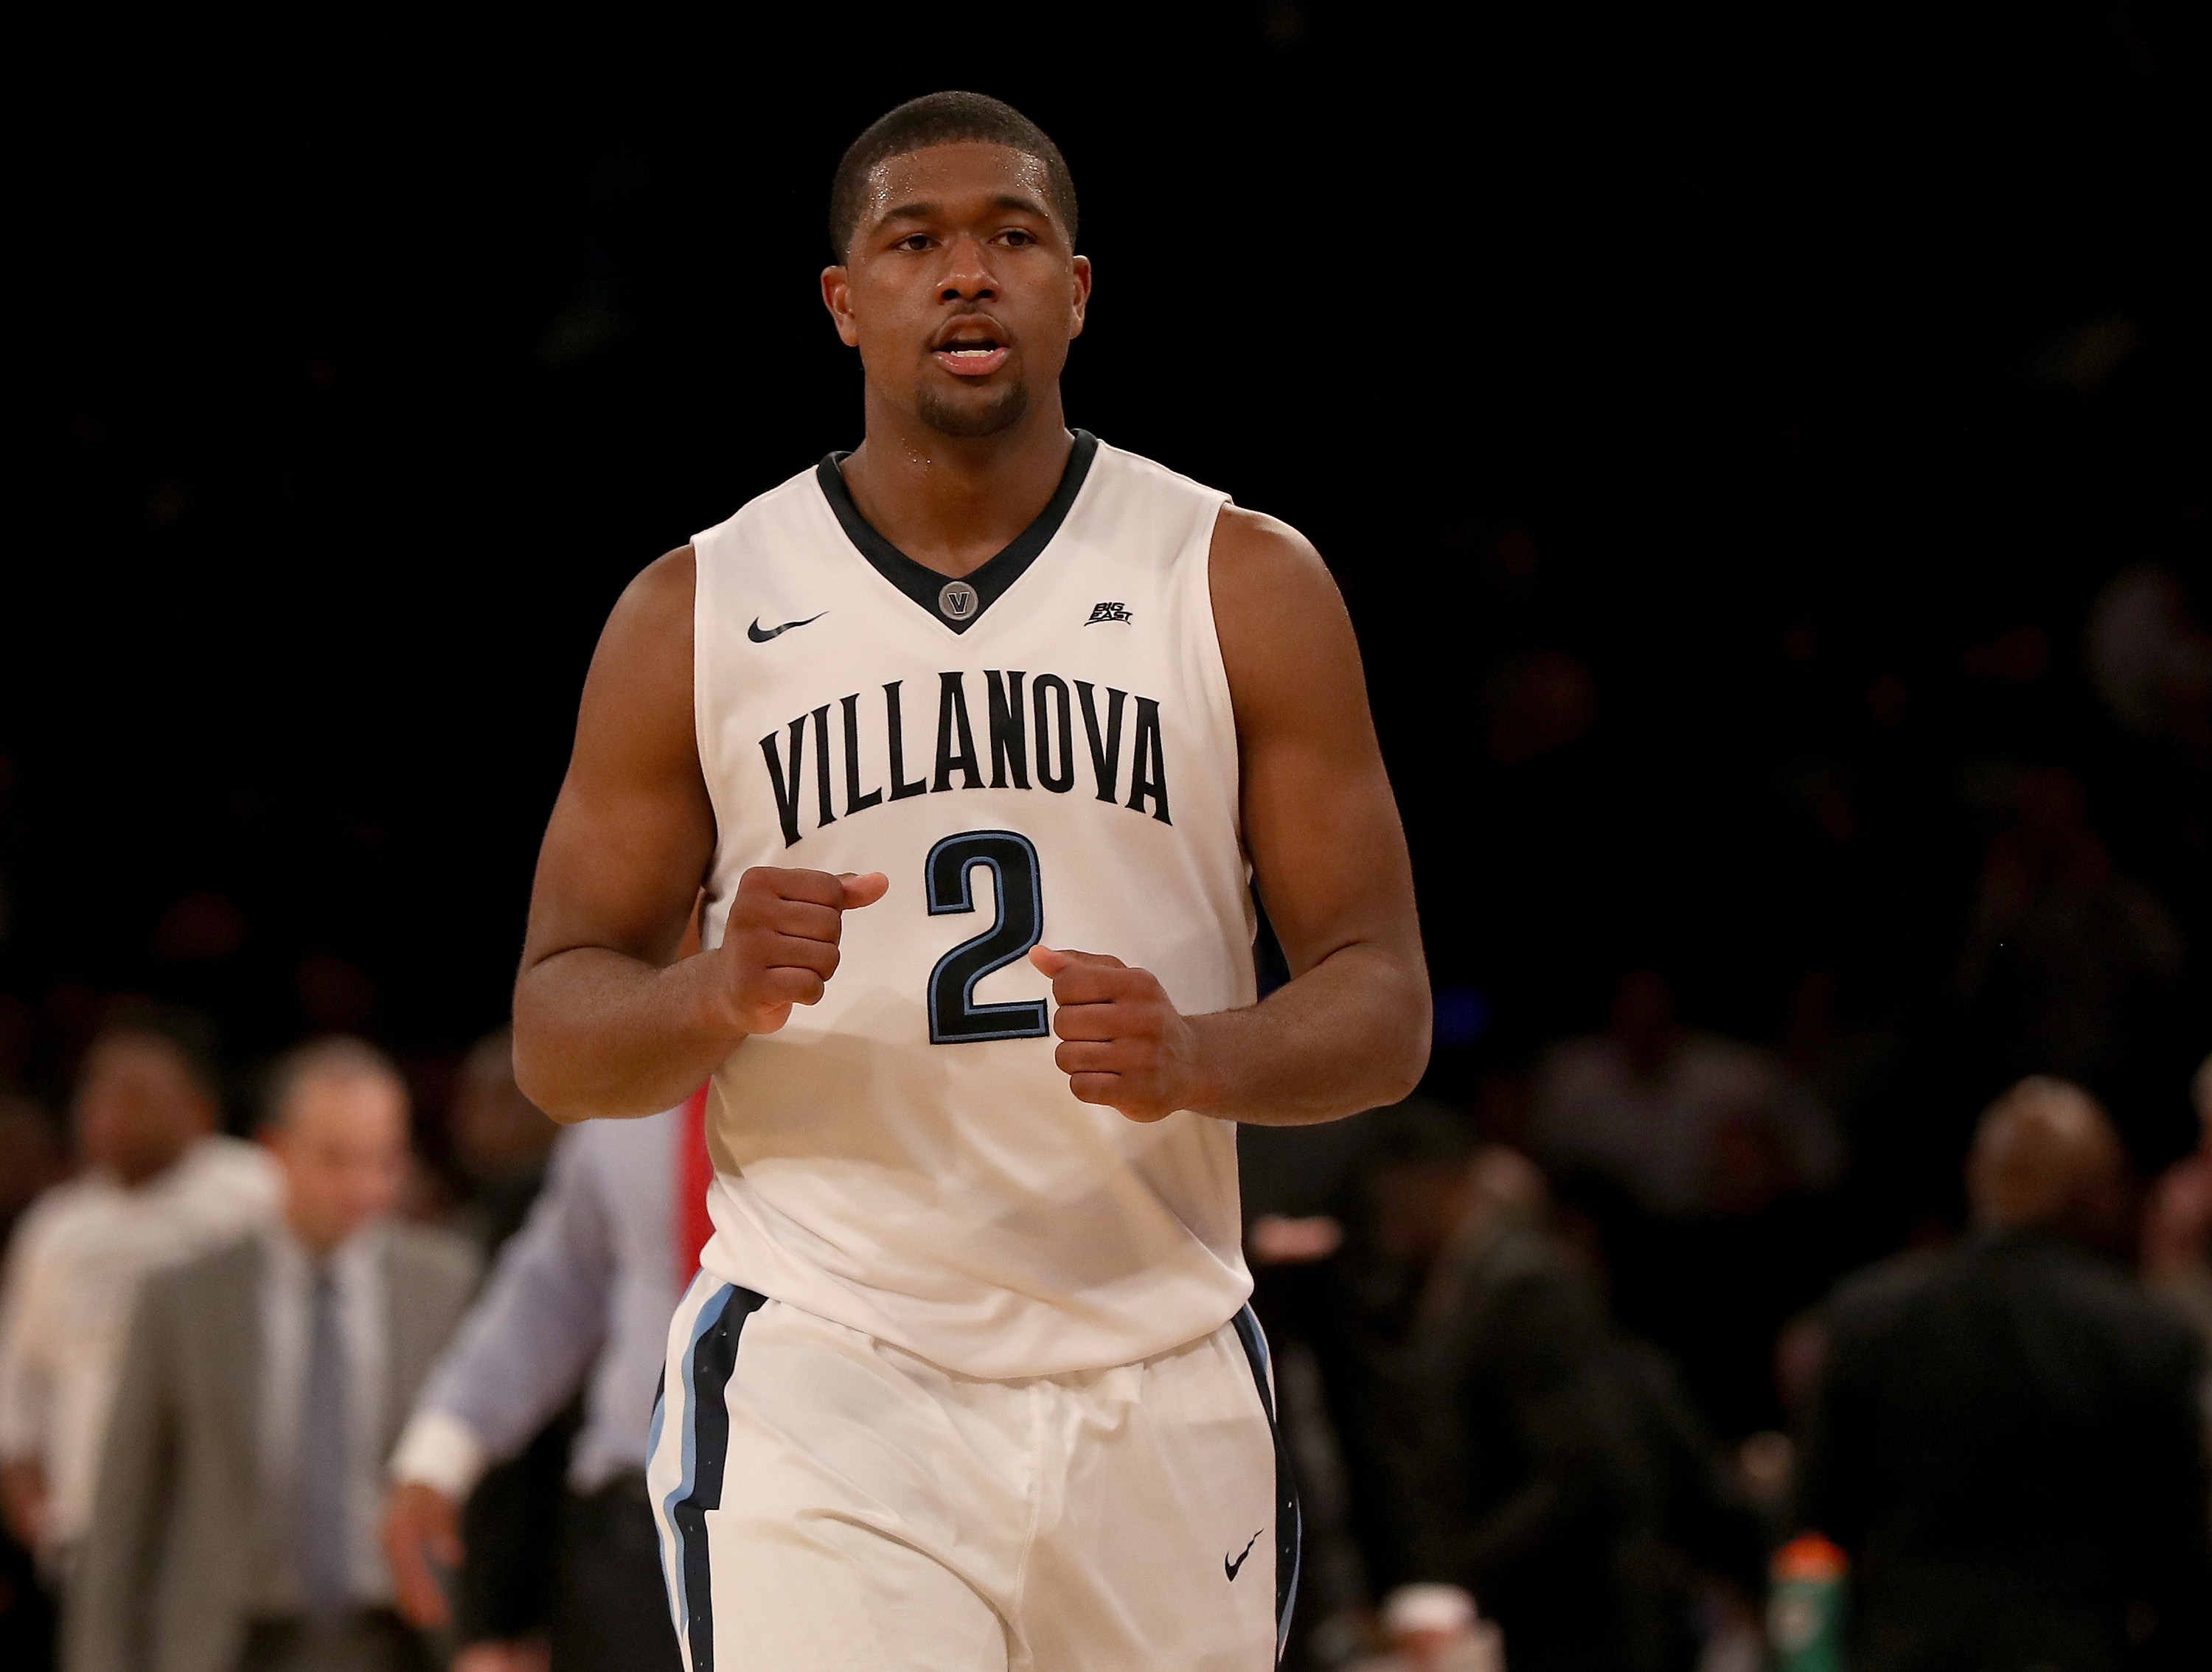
(975, 740)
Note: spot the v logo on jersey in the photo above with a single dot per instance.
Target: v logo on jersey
(1232, 1569)
(760, 634)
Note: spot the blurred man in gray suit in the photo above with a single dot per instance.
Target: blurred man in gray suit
(235, 1524)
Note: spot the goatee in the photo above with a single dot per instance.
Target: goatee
(946, 419)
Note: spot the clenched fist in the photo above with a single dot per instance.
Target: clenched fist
(1122, 1044)
(780, 944)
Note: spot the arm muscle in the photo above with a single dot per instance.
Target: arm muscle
(606, 1021)
(1350, 1031)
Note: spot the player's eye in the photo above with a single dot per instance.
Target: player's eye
(913, 241)
(1017, 238)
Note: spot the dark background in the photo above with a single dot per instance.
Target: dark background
(1721, 424)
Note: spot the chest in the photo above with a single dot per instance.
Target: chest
(1054, 692)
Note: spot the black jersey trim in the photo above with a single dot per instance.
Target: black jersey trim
(923, 584)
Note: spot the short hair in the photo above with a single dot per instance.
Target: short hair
(2043, 1154)
(942, 118)
(184, 1034)
(335, 1056)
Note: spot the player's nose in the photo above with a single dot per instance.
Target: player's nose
(967, 271)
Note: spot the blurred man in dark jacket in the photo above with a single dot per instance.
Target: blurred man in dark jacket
(2007, 1443)
(1548, 1466)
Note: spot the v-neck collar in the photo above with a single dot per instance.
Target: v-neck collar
(957, 603)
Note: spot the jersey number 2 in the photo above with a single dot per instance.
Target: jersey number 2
(955, 1018)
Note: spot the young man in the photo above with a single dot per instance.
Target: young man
(968, 1381)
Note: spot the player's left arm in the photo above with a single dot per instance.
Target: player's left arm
(1351, 1029)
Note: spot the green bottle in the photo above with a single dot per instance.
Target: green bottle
(1805, 1609)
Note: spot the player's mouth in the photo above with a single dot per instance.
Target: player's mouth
(971, 349)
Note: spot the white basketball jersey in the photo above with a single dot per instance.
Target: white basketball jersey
(1040, 752)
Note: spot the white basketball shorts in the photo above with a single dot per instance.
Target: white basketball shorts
(827, 1501)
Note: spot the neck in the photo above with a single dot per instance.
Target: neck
(953, 502)
(318, 1240)
(136, 1176)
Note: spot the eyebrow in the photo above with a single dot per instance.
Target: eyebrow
(927, 211)
(909, 212)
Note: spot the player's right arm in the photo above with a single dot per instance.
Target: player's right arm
(608, 1020)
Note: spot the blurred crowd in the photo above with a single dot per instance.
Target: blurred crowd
(302, 1400)
(1989, 1447)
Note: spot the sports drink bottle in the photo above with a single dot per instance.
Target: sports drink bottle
(1805, 1611)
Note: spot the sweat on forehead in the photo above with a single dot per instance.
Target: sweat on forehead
(942, 118)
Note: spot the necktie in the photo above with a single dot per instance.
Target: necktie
(695, 1171)
(321, 1546)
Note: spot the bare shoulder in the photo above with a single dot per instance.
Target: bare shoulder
(1286, 639)
(640, 682)
(658, 599)
(1262, 566)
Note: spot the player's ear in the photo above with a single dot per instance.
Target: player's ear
(1081, 264)
(837, 297)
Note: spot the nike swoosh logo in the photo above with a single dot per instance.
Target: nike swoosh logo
(760, 634)
(1233, 1568)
